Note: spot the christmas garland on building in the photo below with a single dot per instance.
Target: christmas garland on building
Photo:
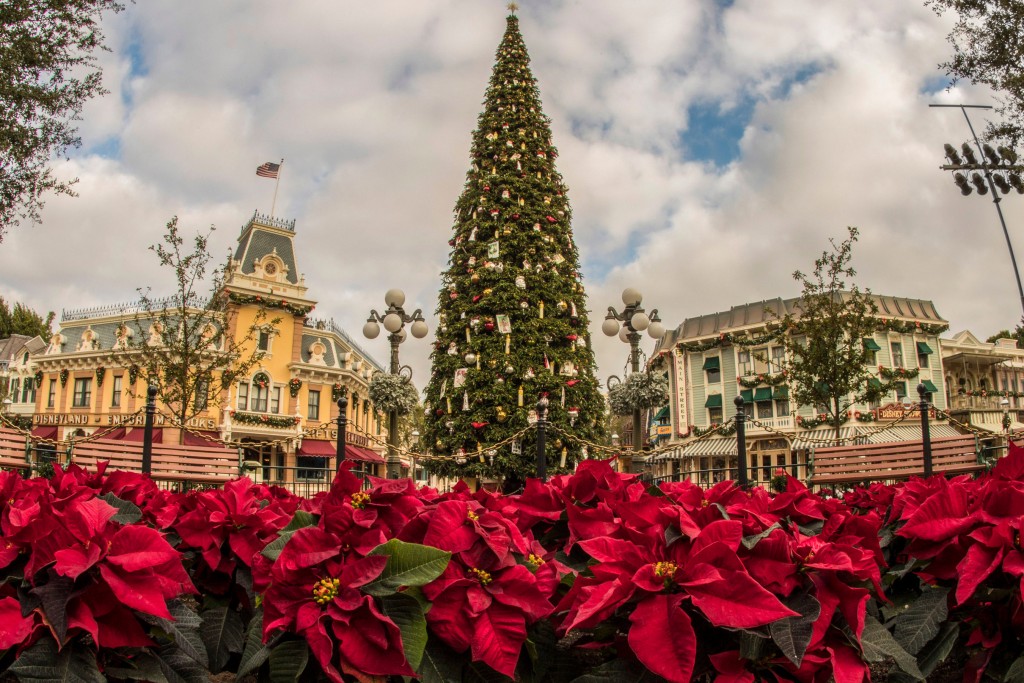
(728, 430)
(770, 380)
(337, 391)
(133, 374)
(294, 384)
(818, 420)
(984, 393)
(266, 302)
(101, 374)
(261, 379)
(745, 341)
(908, 327)
(263, 420)
(39, 378)
(897, 373)
(63, 376)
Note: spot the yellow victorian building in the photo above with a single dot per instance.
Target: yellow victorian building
(282, 414)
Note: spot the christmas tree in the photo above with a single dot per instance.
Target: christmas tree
(513, 323)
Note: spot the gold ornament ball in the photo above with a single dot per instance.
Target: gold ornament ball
(474, 277)
(438, 445)
(492, 363)
(501, 414)
(558, 443)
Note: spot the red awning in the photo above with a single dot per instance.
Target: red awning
(116, 434)
(196, 439)
(139, 434)
(317, 449)
(44, 432)
(362, 454)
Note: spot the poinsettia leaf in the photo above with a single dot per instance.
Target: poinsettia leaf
(53, 598)
(300, 520)
(440, 664)
(288, 660)
(878, 644)
(273, 549)
(409, 564)
(222, 634)
(935, 652)
(180, 667)
(616, 671)
(750, 541)
(1015, 674)
(752, 645)
(407, 613)
(478, 672)
(143, 666)
(256, 652)
(793, 634)
(662, 638)
(184, 629)
(42, 662)
(920, 623)
(127, 511)
(672, 534)
(541, 646)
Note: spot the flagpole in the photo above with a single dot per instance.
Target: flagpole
(277, 184)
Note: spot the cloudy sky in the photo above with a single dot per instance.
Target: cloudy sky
(710, 149)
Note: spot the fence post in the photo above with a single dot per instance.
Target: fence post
(926, 437)
(741, 441)
(342, 427)
(147, 438)
(542, 457)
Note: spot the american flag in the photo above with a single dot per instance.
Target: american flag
(268, 170)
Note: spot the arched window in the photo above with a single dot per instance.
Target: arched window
(259, 395)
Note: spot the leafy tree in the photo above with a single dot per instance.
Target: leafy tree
(1017, 334)
(512, 309)
(23, 320)
(825, 360)
(988, 49)
(47, 73)
(187, 345)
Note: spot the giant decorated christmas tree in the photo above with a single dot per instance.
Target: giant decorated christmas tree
(513, 323)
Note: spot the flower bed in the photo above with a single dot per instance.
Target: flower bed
(589, 577)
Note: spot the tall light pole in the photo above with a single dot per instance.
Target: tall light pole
(394, 320)
(999, 171)
(634, 321)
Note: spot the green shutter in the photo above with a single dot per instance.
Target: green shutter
(748, 395)
(763, 394)
(712, 363)
(929, 387)
(923, 349)
(781, 392)
(870, 344)
(714, 401)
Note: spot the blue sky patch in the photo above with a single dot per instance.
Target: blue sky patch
(713, 135)
(935, 84)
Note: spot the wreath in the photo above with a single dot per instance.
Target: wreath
(337, 391)
(261, 379)
(392, 392)
(294, 384)
(641, 390)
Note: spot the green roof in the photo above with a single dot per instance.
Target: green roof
(923, 349)
(714, 401)
(763, 394)
(748, 395)
(661, 413)
(712, 363)
(871, 345)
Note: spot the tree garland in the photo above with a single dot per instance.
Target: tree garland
(294, 309)
(640, 391)
(770, 380)
(897, 373)
(392, 392)
(277, 421)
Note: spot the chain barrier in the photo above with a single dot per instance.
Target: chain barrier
(791, 437)
(433, 458)
(613, 450)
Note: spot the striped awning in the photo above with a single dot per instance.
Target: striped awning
(936, 430)
(713, 445)
(817, 438)
(995, 427)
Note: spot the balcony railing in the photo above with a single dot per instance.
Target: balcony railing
(964, 402)
(772, 423)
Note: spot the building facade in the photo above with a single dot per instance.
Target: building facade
(712, 359)
(283, 413)
(984, 382)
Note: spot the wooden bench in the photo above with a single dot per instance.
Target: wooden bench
(12, 450)
(173, 463)
(892, 461)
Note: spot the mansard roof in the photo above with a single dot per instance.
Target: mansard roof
(263, 235)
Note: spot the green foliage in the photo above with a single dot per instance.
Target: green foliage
(825, 361)
(988, 50)
(392, 392)
(512, 224)
(23, 320)
(184, 345)
(640, 391)
(47, 73)
(1017, 334)
(409, 564)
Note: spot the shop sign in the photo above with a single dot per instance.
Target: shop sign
(895, 411)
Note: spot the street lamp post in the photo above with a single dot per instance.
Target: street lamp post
(394, 320)
(1005, 404)
(999, 172)
(634, 321)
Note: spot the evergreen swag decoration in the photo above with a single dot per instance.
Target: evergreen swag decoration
(897, 373)
(133, 374)
(294, 384)
(640, 391)
(39, 378)
(723, 430)
(101, 374)
(267, 302)
(392, 392)
(278, 421)
(762, 378)
(337, 391)
(64, 376)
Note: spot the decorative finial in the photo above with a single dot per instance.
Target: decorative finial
(513, 7)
